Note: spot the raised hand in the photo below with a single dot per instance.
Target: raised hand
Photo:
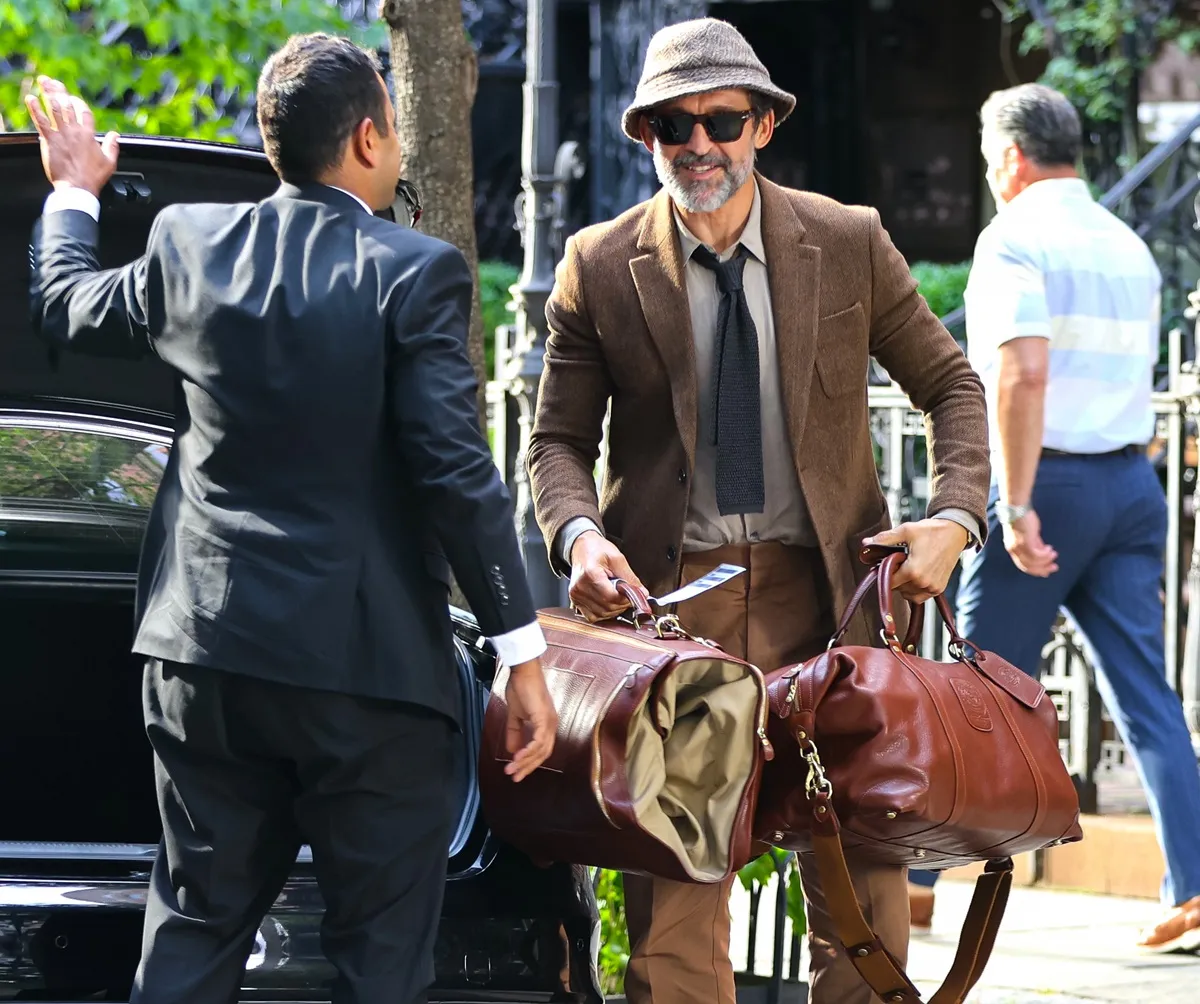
(71, 157)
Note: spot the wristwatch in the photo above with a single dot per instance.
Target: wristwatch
(1009, 514)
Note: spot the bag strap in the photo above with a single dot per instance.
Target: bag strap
(880, 969)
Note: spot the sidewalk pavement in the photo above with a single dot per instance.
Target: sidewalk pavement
(1054, 948)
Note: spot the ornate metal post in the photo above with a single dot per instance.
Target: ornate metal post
(546, 171)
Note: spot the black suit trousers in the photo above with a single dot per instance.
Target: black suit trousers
(247, 771)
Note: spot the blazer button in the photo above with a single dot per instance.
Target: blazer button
(682, 475)
(670, 554)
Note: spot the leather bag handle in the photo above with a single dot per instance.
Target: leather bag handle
(886, 569)
(916, 611)
(641, 608)
(880, 969)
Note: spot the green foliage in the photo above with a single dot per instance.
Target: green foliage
(495, 279)
(614, 934)
(1098, 48)
(941, 285)
(762, 871)
(159, 67)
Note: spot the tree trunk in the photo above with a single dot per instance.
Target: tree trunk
(434, 76)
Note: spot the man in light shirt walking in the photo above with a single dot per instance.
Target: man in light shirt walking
(1063, 308)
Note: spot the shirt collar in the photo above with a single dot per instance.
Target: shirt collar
(1054, 189)
(751, 238)
(353, 196)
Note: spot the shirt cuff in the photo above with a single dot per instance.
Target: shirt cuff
(570, 533)
(963, 519)
(521, 645)
(72, 198)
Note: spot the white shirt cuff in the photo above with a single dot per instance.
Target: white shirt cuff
(72, 198)
(521, 645)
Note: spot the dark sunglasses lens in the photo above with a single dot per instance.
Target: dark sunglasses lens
(673, 129)
(725, 127)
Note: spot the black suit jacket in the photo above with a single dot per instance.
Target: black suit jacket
(327, 440)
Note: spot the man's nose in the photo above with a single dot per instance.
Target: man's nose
(699, 143)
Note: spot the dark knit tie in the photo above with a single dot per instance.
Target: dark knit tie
(737, 414)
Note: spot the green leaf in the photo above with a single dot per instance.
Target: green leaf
(760, 871)
(196, 46)
(795, 904)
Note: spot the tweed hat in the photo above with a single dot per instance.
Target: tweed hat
(693, 57)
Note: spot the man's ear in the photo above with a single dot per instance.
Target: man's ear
(764, 130)
(646, 133)
(365, 142)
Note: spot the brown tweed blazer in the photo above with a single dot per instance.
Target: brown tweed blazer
(620, 331)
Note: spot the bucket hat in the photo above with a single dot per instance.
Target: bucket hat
(693, 57)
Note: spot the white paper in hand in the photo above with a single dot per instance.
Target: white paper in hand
(722, 573)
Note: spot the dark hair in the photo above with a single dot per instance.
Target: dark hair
(1039, 120)
(760, 104)
(312, 94)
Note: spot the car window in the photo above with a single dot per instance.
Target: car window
(74, 491)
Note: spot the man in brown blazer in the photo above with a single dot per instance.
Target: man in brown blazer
(729, 324)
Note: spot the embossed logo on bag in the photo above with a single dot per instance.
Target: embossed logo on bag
(970, 696)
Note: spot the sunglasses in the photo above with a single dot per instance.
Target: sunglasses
(675, 129)
(406, 207)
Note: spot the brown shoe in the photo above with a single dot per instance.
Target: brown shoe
(1178, 931)
(920, 908)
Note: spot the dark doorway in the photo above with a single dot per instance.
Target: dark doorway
(808, 47)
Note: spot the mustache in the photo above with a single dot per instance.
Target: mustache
(689, 159)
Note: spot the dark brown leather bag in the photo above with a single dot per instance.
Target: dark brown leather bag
(658, 755)
(913, 762)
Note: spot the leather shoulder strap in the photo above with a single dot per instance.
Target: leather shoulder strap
(877, 966)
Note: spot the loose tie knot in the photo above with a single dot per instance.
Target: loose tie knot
(728, 273)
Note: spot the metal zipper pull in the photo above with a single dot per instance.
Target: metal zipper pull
(768, 749)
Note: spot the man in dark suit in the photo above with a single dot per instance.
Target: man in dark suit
(292, 597)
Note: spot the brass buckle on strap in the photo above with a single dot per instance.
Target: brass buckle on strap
(816, 783)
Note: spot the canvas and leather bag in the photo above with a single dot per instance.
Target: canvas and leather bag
(658, 755)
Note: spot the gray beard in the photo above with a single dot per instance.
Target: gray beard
(701, 196)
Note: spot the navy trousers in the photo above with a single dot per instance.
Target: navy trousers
(1106, 516)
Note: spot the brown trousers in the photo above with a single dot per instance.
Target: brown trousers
(776, 613)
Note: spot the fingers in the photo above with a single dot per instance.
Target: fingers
(41, 122)
(110, 146)
(594, 594)
(83, 114)
(889, 538)
(528, 759)
(620, 569)
(68, 110)
(915, 581)
(57, 107)
(530, 712)
(1035, 562)
(49, 86)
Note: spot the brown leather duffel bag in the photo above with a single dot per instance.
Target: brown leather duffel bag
(658, 755)
(913, 762)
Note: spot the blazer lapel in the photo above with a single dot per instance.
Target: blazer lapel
(662, 292)
(794, 275)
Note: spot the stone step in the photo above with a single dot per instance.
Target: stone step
(1118, 856)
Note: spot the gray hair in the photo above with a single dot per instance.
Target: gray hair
(1039, 120)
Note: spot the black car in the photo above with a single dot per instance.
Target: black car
(83, 442)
